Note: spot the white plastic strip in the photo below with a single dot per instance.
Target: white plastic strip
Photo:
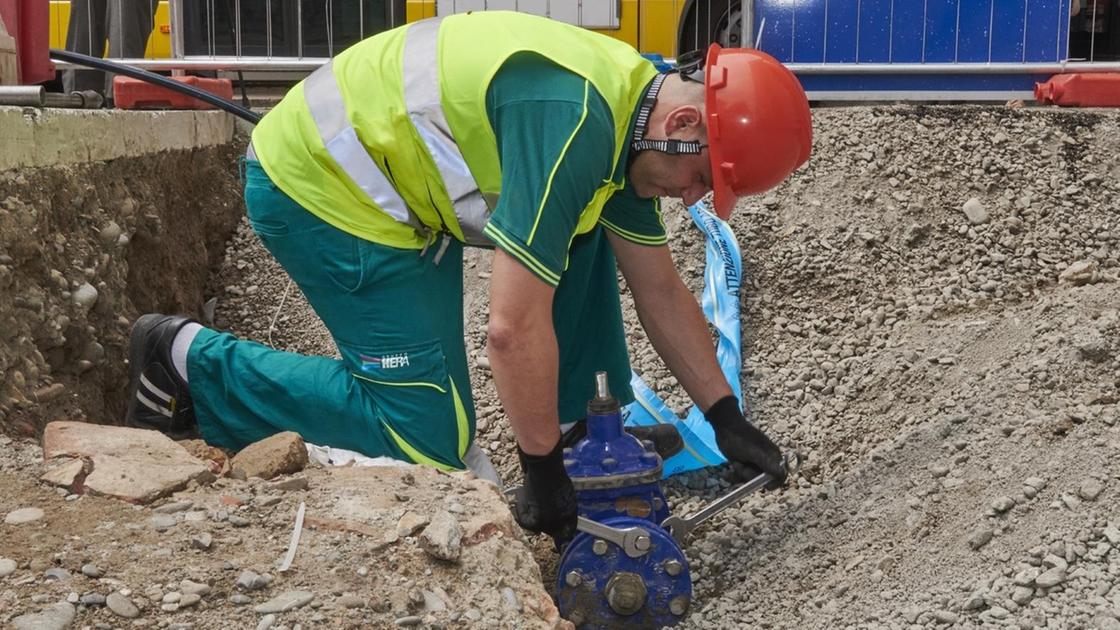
(294, 543)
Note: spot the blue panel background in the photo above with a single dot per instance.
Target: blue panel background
(874, 31)
(841, 44)
(1007, 31)
(910, 31)
(1063, 29)
(975, 18)
(941, 30)
(909, 22)
(808, 41)
(777, 36)
(1042, 29)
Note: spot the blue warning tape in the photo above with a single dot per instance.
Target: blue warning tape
(723, 274)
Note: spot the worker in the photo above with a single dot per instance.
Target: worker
(549, 143)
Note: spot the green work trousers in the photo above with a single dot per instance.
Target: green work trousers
(401, 388)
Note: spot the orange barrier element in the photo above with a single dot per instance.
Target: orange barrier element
(129, 93)
(1080, 90)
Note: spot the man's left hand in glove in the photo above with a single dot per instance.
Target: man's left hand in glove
(748, 449)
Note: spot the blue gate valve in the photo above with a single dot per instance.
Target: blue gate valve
(625, 568)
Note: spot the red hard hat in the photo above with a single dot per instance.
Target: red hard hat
(759, 128)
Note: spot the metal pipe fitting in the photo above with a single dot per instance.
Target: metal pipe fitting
(626, 593)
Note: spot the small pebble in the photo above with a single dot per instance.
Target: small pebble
(121, 605)
(7, 567)
(1090, 489)
(23, 516)
(57, 573)
(92, 571)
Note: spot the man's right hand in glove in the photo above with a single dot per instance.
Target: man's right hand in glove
(546, 502)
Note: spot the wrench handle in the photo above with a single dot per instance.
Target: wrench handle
(791, 461)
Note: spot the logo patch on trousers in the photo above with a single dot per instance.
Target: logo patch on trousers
(384, 362)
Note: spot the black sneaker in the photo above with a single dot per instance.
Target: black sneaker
(665, 437)
(160, 399)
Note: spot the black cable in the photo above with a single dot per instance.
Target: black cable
(151, 77)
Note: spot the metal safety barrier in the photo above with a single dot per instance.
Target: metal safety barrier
(829, 43)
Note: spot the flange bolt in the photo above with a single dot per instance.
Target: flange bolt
(599, 547)
(673, 567)
(678, 605)
(573, 579)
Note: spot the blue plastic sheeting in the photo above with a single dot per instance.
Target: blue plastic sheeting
(722, 275)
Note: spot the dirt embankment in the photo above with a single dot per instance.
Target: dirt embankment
(83, 250)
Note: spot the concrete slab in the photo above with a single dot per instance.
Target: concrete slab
(134, 465)
(32, 137)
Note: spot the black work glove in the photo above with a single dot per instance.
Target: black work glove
(546, 502)
(744, 445)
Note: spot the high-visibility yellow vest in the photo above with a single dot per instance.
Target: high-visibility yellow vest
(391, 141)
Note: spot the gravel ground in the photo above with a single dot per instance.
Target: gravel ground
(930, 318)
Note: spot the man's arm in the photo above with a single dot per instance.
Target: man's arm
(524, 359)
(677, 328)
(672, 319)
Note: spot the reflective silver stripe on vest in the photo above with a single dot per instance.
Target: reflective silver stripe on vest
(421, 97)
(324, 100)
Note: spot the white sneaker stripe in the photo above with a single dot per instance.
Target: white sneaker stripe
(159, 393)
(144, 400)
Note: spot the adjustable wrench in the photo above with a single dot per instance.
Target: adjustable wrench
(680, 528)
(633, 540)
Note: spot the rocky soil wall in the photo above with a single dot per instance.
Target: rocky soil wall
(86, 247)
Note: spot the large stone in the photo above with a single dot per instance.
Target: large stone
(369, 502)
(975, 211)
(1051, 578)
(280, 454)
(67, 472)
(54, 617)
(1080, 272)
(216, 457)
(134, 465)
(286, 601)
(442, 538)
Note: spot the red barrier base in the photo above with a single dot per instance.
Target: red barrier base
(1093, 89)
(129, 93)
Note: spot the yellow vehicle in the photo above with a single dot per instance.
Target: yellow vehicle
(651, 26)
(159, 43)
(299, 29)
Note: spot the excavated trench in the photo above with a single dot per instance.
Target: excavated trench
(84, 249)
(930, 317)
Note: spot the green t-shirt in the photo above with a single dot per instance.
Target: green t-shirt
(555, 145)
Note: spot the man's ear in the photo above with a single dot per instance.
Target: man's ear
(684, 117)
